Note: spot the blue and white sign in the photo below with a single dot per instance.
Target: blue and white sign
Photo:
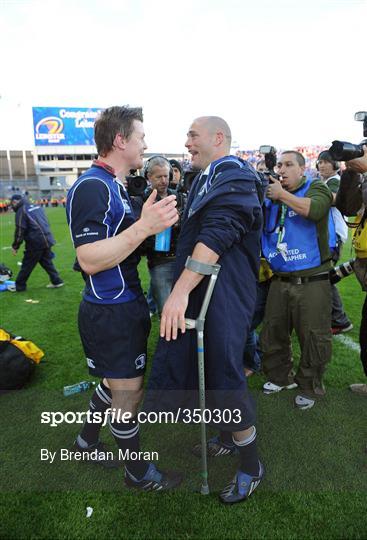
(64, 126)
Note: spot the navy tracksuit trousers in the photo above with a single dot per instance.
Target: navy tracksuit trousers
(31, 258)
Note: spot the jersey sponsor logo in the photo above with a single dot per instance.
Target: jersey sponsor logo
(82, 235)
(140, 361)
(86, 229)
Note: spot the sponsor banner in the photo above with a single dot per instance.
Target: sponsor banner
(64, 126)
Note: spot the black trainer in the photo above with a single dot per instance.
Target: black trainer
(216, 448)
(241, 487)
(97, 454)
(154, 480)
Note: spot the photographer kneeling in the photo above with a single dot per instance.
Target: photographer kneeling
(351, 200)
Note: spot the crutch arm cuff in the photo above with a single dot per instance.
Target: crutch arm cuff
(202, 268)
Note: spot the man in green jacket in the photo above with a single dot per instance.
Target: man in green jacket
(295, 243)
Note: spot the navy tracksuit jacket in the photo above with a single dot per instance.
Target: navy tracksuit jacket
(226, 216)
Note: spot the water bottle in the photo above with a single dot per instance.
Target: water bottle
(163, 240)
(79, 387)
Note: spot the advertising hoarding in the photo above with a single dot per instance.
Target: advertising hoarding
(64, 126)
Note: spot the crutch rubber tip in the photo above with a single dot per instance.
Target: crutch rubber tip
(204, 490)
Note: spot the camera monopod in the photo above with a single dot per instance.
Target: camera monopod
(211, 270)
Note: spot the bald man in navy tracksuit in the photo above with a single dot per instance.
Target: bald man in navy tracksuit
(222, 223)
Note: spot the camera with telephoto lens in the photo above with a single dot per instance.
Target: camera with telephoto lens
(136, 185)
(345, 151)
(181, 199)
(341, 271)
(270, 156)
(187, 180)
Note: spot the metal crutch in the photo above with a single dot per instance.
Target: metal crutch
(211, 270)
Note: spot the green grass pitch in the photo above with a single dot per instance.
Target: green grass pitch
(316, 466)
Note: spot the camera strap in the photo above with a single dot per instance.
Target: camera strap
(283, 213)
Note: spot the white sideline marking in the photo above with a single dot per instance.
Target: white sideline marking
(348, 342)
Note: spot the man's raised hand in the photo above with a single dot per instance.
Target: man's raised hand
(157, 216)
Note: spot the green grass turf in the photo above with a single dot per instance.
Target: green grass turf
(316, 466)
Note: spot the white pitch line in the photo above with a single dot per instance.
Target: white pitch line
(348, 342)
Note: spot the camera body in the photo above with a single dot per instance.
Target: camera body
(147, 248)
(270, 156)
(186, 181)
(345, 151)
(136, 185)
(181, 199)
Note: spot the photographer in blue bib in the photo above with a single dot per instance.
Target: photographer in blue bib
(161, 248)
(295, 244)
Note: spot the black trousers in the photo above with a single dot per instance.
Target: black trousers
(338, 315)
(30, 259)
(363, 336)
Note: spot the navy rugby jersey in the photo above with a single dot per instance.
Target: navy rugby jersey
(99, 207)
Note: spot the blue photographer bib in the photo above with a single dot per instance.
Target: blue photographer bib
(333, 241)
(289, 244)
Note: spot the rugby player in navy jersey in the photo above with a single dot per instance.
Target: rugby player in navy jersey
(114, 320)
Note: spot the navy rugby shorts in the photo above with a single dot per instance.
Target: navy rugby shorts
(114, 337)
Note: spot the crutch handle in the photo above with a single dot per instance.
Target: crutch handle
(190, 324)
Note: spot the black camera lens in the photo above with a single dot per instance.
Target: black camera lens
(341, 271)
(345, 151)
(136, 185)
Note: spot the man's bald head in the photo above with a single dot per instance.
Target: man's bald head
(216, 124)
(208, 139)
